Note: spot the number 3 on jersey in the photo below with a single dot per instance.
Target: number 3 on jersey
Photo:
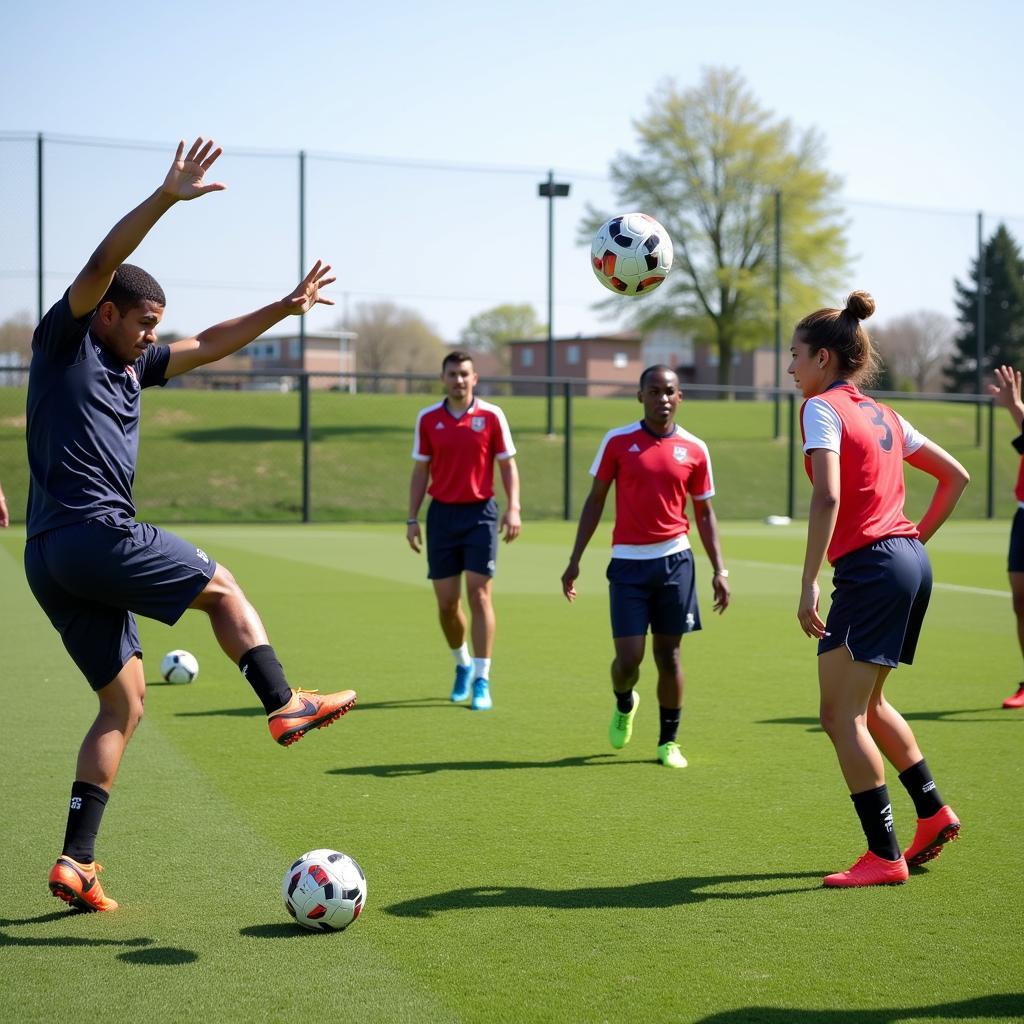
(885, 441)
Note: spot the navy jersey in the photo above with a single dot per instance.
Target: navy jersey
(82, 423)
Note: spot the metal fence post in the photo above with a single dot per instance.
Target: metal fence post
(567, 455)
(791, 460)
(990, 497)
(40, 291)
(306, 438)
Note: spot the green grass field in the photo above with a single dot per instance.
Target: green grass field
(519, 870)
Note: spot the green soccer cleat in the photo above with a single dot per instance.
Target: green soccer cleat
(621, 729)
(671, 756)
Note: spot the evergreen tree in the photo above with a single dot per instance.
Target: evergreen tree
(1003, 290)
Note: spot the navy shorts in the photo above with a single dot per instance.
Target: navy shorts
(91, 576)
(878, 605)
(461, 538)
(659, 593)
(1015, 562)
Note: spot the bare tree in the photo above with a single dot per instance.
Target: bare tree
(916, 347)
(391, 339)
(16, 335)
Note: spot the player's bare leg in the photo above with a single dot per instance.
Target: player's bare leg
(1016, 700)
(665, 649)
(291, 711)
(454, 626)
(482, 628)
(625, 670)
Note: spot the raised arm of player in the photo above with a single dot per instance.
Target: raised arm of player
(224, 338)
(590, 517)
(184, 181)
(952, 481)
(1006, 392)
(511, 521)
(707, 527)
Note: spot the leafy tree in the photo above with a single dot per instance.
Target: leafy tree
(1003, 290)
(490, 330)
(709, 163)
(915, 347)
(16, 335)
(390, 339)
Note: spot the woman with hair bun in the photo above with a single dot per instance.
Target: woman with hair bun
(854, 450)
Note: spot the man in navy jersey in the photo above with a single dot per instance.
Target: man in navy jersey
(654, 465)
(456, 444)
(89, 563)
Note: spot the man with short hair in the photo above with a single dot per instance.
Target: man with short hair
(654, 465)
(456, 444)
(89, 563)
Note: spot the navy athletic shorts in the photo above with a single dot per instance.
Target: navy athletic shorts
(878, 605)
(1015, 562)
(461, 538)
(659, 593)
(89, 577)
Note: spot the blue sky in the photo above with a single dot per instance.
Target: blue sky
(918, 104)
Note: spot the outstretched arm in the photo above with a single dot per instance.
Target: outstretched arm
(1006, 392)
(590, 517)
(184, 181)
(952, 480)
(707, 527)
(224, 338)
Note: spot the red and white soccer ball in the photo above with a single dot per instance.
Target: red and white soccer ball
(324, 890)
(631, 254)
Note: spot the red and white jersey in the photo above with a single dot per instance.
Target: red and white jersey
(1018, 491)
(871, 441)
(652, 475)
(461, 450)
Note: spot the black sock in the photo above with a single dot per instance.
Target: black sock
(918, 782)
(266, 676)
(84, 815)
(624, 701)
(875, 812)
(669, 724)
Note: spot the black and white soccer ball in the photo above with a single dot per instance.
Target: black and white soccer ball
(179, 667)
(631, 254)
(324, 890)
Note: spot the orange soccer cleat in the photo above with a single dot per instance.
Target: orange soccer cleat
(869, 870)
(1016, 700)
(931, 835)
(307, 710)
(77, 885)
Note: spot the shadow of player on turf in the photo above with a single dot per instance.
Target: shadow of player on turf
(397, 771)
(952, 717)
(1006, 1006)
(672, 892)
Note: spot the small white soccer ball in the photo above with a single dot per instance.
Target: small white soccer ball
(631, 254)
(324, 890)
(179, 667)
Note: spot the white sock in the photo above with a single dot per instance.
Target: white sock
(481, 668)
(461, 656)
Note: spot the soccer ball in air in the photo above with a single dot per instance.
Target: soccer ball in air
(179, 667)
(324, 890)
(631, 254)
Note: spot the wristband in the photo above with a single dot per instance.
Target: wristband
(412, 522)
(724, 573)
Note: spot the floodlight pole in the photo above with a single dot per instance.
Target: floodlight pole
(778, 314)
(549, 189)
(979, 328)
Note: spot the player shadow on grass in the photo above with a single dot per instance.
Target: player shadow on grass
(397, 771)
(814, 725)
(1010, 1005)
(254, 434)
(252, 711)
(672, 892)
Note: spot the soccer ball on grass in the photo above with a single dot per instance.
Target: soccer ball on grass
(324, 890)
(179, 667)
(631, 254)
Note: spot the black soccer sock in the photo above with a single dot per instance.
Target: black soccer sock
(266, 676)
(84, 815)
(875, 812)
(918, 782)
(624, 701)
(669, 718)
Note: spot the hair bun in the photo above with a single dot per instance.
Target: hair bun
(860, 305)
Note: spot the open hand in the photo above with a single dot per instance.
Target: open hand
(1006, 389)
(414, 537)
(510, 525)
(807, 612)
(185, 178)
(569, 581)
(307, 292)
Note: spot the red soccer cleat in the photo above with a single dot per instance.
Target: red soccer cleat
(869, 870)
(1017, 700)
(308, 710)
(77, 885)
(931, 835)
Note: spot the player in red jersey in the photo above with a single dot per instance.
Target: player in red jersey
(1006, 392)
(456, 444)
(654, 465)
(854, 452)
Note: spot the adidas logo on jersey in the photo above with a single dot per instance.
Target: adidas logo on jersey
(439, 426)
(634, 448)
